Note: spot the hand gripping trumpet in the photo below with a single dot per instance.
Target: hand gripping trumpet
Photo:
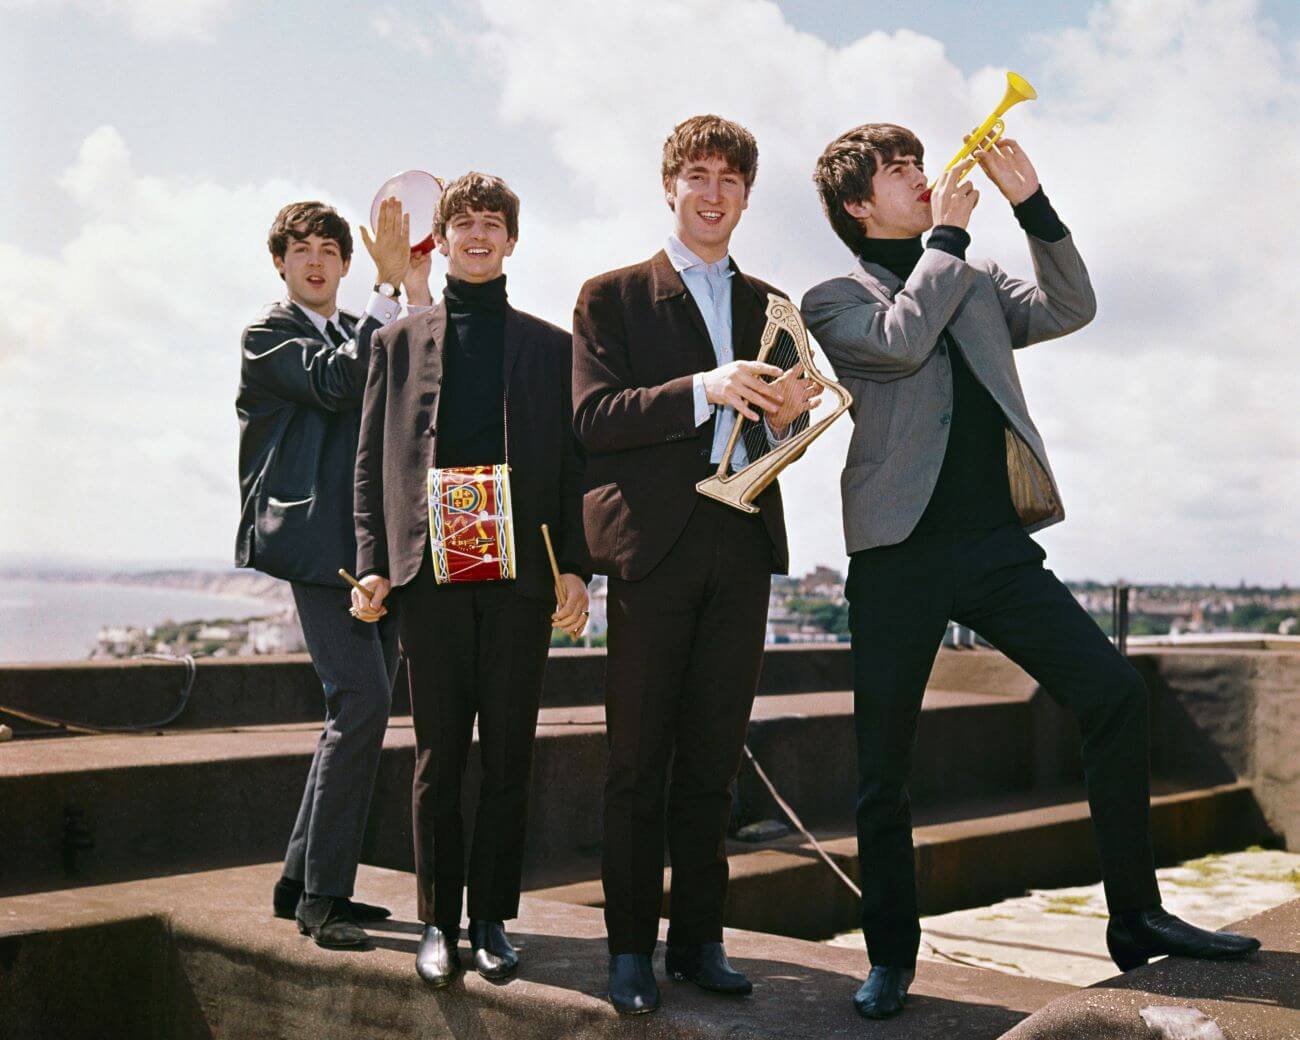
(988, 132)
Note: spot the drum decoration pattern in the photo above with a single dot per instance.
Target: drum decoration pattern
(471, 527)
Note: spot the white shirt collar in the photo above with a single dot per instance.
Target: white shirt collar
(319, 320)
(682, 258)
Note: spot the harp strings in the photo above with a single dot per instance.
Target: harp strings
(784, 354)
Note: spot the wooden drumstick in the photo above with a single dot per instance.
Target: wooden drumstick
(355, 584)
(555, 567)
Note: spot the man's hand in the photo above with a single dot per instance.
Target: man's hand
(416, 280)
(741, 384)
(571, 613)
(951, 203)
(1010, 169)
(371, 609)
(798, 394)
(390, 249)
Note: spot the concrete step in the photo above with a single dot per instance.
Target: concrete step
(256, 691)
(199, 956)
(969, 854)
(1255, 998)
(93, 809)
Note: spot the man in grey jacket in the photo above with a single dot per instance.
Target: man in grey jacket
(946, 475)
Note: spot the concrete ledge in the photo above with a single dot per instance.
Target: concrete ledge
(94, 809)
(217, 965)
(1251, 1000)
(961, 862)
(257, 691)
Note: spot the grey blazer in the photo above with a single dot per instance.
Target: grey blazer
(881, 337)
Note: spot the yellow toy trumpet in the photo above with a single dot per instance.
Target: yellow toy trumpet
(991, 130)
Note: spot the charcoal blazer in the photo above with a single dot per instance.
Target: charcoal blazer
(398, 444)
(638, 339)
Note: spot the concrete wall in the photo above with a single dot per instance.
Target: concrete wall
(1219, 713)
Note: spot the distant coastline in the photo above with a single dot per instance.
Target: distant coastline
(241, 584)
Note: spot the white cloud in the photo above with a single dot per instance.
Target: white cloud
(151, 20)
(122, 361)
(1165, 134)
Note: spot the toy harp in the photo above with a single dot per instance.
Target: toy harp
(784, 344)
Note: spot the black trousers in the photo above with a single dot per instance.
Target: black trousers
(900, 600)
(472, 650)
(685, 646)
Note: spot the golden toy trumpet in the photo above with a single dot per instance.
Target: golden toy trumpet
(991, 130)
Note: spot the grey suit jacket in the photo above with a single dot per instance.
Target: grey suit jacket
(881, 337)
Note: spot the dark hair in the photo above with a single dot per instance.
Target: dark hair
(702, 137)
(482, 192)
(845, 168)
(299, 219)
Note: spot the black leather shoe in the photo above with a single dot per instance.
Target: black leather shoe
(494, 957)
(632, 986)
(884, 993)
(706, 965)
(437, 960)
(287, 892)
(328, 920)
(1134, 938)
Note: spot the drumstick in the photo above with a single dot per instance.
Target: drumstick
(555, 567)
(356, 584)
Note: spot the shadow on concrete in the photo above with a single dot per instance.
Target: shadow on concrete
(790, 999)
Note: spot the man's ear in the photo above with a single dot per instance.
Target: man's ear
(670, 196)
(346, 264)
(859, 210)
(441, 244)
(279, 266)
(510, 247)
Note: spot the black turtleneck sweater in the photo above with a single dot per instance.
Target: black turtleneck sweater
(471, 406)
(972, 492)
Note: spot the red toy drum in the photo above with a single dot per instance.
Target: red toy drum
(471, 528)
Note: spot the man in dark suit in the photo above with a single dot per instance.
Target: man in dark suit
(473, 382)
(299, 406)
(663, 362)
(946, 475)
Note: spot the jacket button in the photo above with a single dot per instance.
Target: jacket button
(433, 431)
(946, 418)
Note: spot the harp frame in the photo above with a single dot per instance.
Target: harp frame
(739, 489)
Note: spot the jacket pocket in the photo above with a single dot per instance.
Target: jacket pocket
(873, 421)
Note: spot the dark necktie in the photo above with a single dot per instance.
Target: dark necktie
(336, 337)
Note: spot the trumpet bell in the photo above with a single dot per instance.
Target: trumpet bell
(1019, 86)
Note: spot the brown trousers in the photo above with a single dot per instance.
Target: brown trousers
(472, 650)
(685, 646)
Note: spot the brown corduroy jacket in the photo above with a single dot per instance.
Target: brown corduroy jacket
(638, 338)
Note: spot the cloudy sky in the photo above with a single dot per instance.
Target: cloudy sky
(148, 143)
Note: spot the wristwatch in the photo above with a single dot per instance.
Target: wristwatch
(384, 289)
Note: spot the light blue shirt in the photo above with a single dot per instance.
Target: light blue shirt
(710, 287)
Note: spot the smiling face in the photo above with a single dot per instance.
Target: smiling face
(312, 268)
(707, 197)
(476, 243)
(896, 208)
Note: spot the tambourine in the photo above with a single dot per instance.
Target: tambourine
(418, 192)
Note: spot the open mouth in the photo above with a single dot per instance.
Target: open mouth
(315, 280)
(710, 216)
(478, 251)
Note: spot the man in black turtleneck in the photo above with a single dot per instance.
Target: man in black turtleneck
(946, 475)
(472, 382)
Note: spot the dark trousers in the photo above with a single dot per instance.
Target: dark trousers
(356, 663)
(685, 645)
(900, 600)
(472, 650)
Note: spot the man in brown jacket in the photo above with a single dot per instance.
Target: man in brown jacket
(663, 360)
(471, 382)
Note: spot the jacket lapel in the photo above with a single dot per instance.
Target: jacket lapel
(747, 306)
(668, 290)
(880, 281)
